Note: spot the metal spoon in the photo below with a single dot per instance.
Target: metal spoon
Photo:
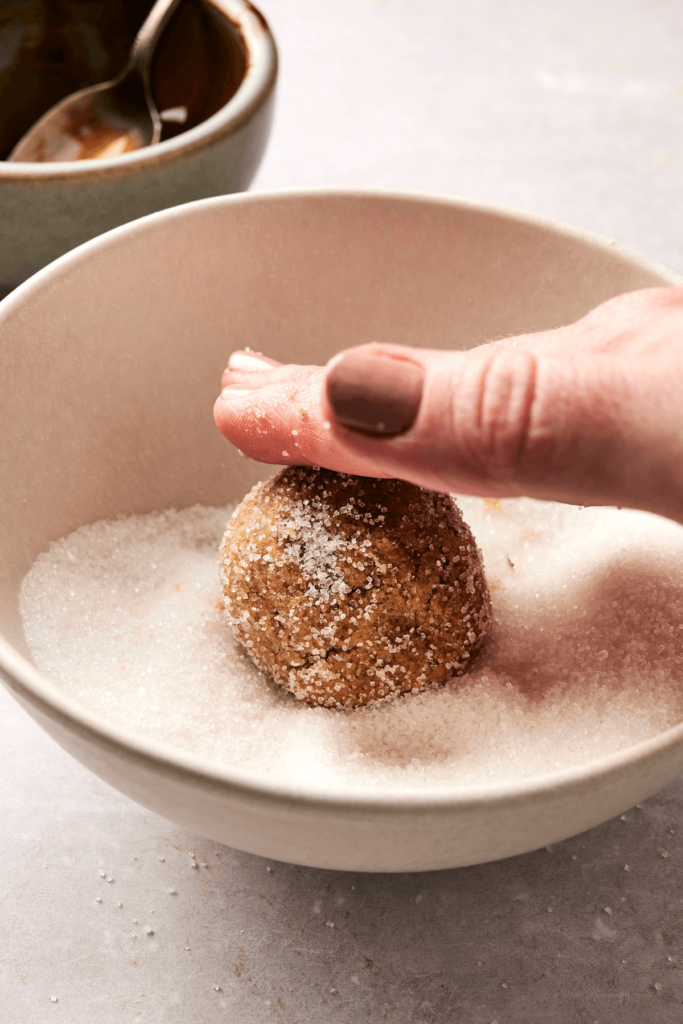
(103, 120)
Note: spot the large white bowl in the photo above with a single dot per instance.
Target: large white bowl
(111, 359)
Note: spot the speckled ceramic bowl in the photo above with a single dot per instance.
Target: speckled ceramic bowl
(114, 354)
(48, 209)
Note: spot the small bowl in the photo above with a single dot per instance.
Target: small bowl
(115, 353)
(47, 209)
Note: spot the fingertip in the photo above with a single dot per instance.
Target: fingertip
(230, 407)
(246, 361)
(245, 364)
(220, 415)
(234, 393)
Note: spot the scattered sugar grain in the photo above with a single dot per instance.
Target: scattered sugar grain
(122, 615)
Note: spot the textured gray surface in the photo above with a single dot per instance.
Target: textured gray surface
(571, 110)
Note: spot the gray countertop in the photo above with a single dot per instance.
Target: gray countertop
(570, 110)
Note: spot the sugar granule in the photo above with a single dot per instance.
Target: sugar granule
(105, 620)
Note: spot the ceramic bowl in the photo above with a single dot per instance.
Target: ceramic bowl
(216, 56)
(115, 353)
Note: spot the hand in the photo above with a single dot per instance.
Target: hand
(590, 413)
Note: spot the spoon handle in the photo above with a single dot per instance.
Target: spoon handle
(147, 37)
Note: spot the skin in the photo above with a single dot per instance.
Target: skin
(589, 414)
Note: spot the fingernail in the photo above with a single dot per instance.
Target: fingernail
(375, 394)
(233, 393)
(248, 361)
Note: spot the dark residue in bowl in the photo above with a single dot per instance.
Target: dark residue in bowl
(51, 48)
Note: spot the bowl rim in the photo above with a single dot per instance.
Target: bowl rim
(253, 91)
(33, 687)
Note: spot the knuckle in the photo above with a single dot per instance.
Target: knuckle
(505, 439)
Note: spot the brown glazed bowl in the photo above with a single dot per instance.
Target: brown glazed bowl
(114, 355)
(216, 58)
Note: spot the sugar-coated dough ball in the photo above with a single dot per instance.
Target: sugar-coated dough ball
(347, 589)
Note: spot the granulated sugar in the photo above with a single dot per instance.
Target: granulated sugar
(585, 657)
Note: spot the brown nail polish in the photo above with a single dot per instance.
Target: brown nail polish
(375, 394)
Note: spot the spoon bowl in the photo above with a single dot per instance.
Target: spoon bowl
(106, 120)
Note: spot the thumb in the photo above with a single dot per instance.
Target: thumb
(505, 421)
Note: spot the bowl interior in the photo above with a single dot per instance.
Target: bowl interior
(54, 47)
(115, 352)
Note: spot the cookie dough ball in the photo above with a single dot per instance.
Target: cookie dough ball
(347, 589)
